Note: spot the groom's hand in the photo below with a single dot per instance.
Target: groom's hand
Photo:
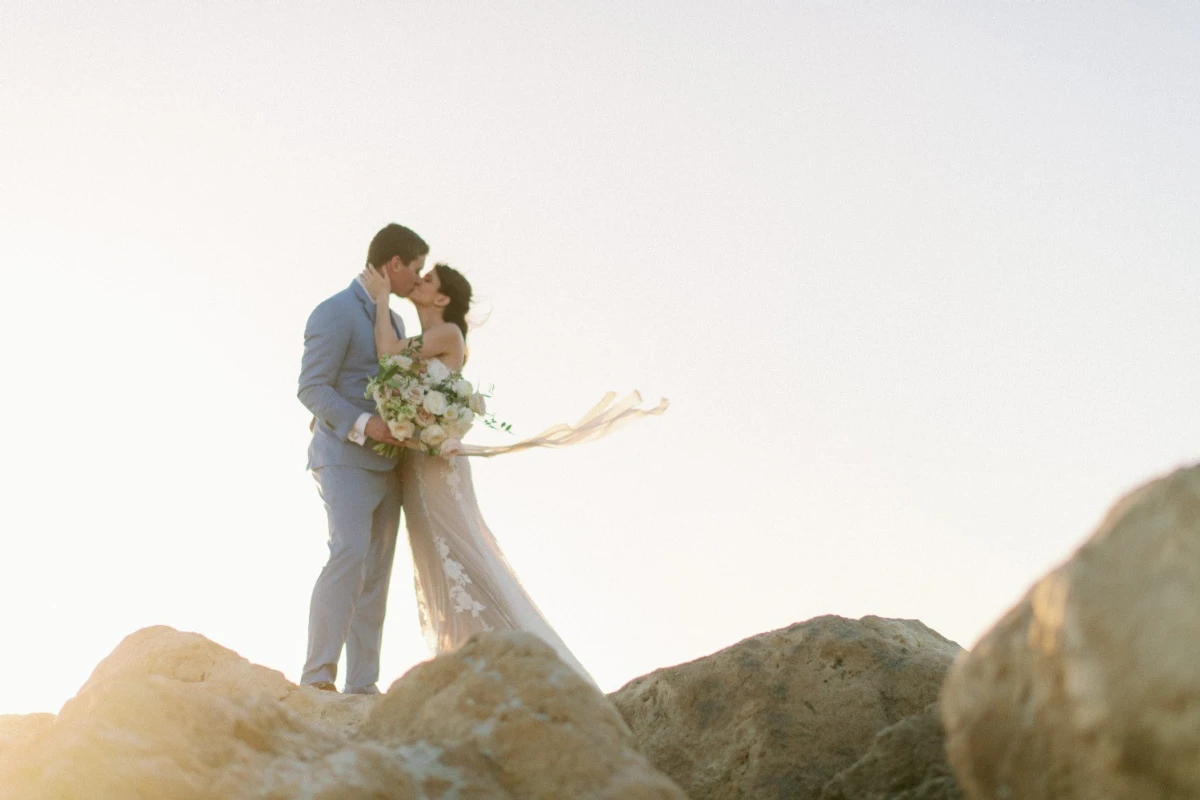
(377, 429)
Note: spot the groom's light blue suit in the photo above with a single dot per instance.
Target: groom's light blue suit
(360, 489)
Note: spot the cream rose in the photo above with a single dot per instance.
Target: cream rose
(463, 388)
(403, 362)
(435, 402)
(402, 429)
(414, 395)
(433, 436)
(478, 403)
(438, 371)
(424, 418)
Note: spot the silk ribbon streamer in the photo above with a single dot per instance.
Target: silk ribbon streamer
(605, 417)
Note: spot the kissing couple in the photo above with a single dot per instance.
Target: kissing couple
(464, 584)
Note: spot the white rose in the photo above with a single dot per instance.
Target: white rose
(452, 413)
(433, 436)
(414, 395)
(458, 429)
(478, 403)
(435, 403)
(403, 362)
(463, 423)
(438, 371)
(401, 429)
(463, 388)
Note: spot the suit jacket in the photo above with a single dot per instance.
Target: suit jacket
(339, 359)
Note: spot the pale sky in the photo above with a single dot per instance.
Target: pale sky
(920, 281)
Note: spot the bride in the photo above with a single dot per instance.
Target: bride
(464, 584)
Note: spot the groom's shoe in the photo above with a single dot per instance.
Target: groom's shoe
(324, 686)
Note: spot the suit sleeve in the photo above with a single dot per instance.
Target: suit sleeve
(325, 346)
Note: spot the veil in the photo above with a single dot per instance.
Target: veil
(605, 417)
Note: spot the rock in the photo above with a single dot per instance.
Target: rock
(504, 708)
(171, 715)
(780, 714)
(203, 664)
(1090, 686)
(906, 762)
(16, 729)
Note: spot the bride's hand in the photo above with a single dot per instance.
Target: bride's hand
(376, 285)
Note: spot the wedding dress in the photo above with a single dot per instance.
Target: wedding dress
(464, 584)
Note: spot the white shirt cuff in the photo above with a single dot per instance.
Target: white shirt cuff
(359, 434)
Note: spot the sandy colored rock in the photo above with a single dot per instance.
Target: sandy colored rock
(906, 762)
(16, 729)
(205, 665)
(1090, 686)
(506, 707)
(780, 714)
(172, 715)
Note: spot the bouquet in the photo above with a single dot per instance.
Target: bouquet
(424, 401)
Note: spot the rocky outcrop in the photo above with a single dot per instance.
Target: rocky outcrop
(1090, 686)
(906, 762)
(779, 715)
(172, 715)
(201, 664)
(16, 729)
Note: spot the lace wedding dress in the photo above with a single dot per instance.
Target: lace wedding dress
(464, 584)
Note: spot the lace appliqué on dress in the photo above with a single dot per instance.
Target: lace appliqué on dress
(462, 599)
(454, 481)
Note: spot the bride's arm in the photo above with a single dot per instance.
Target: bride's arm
(387, 343)
(440, 340)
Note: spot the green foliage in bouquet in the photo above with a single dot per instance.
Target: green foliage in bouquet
(425, 402)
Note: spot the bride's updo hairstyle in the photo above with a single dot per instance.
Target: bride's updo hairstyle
(454, 286)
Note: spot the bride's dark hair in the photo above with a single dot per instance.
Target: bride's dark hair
(458, 289)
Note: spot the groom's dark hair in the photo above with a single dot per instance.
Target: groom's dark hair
(395, 240)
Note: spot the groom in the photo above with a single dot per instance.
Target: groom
(360, 488)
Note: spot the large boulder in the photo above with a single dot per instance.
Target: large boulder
(781, 714)
(16, 729)
(1090, 686)
(512, 719)
(204, 665)
(173, 715)
(906, 762)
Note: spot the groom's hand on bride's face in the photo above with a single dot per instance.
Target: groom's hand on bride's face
(377, 429)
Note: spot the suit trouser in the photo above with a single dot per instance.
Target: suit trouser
(350, 597)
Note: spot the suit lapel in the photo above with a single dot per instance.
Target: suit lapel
(367, 303)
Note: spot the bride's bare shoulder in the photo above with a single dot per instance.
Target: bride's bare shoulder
(445, 341)
(446, 332)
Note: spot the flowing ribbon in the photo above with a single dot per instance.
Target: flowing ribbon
(604, 417)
